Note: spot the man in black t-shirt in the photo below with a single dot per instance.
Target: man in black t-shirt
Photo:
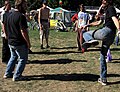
(18, 41)
(106, 35)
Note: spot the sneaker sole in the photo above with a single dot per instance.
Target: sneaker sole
(104, 84)
(87, 45)
(7, 76)
(93, 44)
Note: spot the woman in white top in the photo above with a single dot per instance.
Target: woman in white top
(83, 19)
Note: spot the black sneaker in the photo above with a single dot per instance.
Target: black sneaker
(20, 79)
(47, 46)
(103, 82)
(42, 47)
(85, 45)
(79, 49)
(30, 51)
(91, 43)
(94, 43)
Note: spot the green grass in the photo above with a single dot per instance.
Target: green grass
(62, 68)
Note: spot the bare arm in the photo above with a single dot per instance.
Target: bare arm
(39, 16)
(98, 12)
(26, 37)
(96, 23)
(116, 22)
(3, 29)
(3, 25)
(49, 18)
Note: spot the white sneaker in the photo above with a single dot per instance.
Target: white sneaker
(103, 82)
(92, 41)
(107, 60)
(7, 76)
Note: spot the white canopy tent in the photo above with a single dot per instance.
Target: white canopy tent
(63, 15)
(92, 9)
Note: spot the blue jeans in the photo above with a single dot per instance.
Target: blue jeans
(18, 54)
(106, 35)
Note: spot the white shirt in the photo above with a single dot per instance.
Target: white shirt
(1, 20)
(2, 33)
(82, 19)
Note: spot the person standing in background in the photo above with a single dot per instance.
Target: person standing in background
(5, 47)
(43, 19)
(83, 19)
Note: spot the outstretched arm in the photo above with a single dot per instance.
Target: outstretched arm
(116, 22)
(96, 23)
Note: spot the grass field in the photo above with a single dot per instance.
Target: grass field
(62, 68)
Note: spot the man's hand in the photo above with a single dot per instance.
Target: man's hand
(6, 36)
(41, 27)
(29, 45)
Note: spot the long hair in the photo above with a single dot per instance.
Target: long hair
(6, 2)
(110, 2)
(82, 8)
(19, 3)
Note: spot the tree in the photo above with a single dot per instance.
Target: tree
(117, 3)
(67, 4)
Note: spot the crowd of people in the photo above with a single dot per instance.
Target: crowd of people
(16, 42)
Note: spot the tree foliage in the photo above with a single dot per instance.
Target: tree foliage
(67, 4)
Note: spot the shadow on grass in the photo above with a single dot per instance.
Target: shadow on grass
(99, 48)
(47, 52)
(115, 60)
(116, 82)
(65, 77)
(115, 49)
(114, 75)
(52, 53)
(70, 77)
(55, 61)
(63, 48)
